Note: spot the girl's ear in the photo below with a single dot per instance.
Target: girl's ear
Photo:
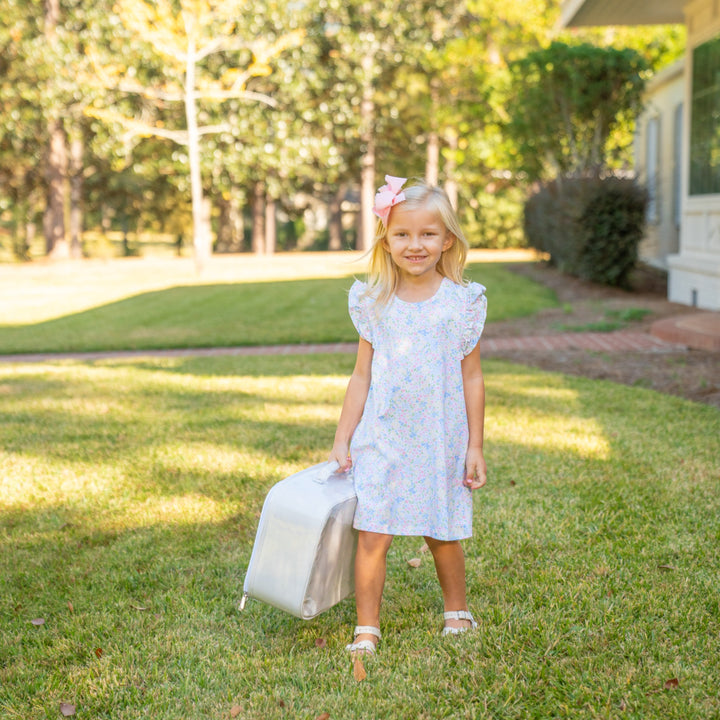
(449, 241)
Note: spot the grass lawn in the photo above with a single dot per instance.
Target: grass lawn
(130, 493)
(276, 310)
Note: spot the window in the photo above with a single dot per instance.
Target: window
(677, 157)
(652, 164)
(705, 119)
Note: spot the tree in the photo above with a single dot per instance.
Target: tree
(376, 47)
(22, 129)
(567, 99)
(180, 43)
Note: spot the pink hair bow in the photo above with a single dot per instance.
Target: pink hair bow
(387, 196)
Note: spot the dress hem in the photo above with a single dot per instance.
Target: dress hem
(415, 533)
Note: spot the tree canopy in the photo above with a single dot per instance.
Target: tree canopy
(568, 100)
(127, 115)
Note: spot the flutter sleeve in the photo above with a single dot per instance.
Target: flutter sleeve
(474, 316)
(359, 311)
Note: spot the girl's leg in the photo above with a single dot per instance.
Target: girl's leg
(370, 565)
(450, 567)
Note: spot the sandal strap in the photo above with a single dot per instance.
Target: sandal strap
(459, 615)
(366, 630)
(367, 646)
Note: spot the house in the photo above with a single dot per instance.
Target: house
(658, 163)
(679, 143)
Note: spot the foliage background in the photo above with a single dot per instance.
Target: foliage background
(434, 81)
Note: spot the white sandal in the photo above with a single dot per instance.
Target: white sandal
(367, 647)
(458, 615)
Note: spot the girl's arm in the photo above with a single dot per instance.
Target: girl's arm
(474, 390)
(353, 405)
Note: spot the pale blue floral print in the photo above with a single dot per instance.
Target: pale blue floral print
(409, 448)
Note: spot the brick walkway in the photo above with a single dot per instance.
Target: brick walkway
(602, 342)
(599, 342)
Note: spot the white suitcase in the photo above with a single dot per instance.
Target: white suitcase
(304, 553)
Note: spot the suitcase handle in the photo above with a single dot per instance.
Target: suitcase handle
(324, 474)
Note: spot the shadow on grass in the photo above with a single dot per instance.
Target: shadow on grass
(144, 485)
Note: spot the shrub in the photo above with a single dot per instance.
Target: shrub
(611, 228)
(552, 215)
(590, 227)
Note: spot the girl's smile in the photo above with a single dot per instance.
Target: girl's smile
(416, 239)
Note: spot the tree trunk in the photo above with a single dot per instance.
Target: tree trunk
(201, 229)
(56, 168)
(230, 225)
(368, 222)
(224, 232)
(270, 225)
(30, 232)
(432, 162)
(76, 190)
(56, 174)
(335, 227)
(20, 242)
(450, 166)
(237, 223)
(258, 218)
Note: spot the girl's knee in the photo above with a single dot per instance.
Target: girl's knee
(443, 547)
(374, 543)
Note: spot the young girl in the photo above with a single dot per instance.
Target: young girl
(411, 425)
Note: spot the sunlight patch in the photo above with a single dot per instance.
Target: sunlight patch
(206, 458)
(27, 481)
(190, 509)
(584, 437)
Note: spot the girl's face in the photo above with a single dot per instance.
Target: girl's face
(416, 238)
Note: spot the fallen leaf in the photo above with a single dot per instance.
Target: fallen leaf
(281, 703)
(320, 643)
(98, 653)
(235, 711)
(359, 668)
(67, 709)
(512, 483)
(323, 716)
(414, 562)
(70, 607)
(623, 705)
(38, 622)
(671, 683)
(424, 548)
(667, 567)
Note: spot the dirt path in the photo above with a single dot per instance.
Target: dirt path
(693, 374)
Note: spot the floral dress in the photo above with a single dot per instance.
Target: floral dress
(408, 450)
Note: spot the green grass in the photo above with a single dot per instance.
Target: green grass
(130, 493)
(613, 320)
(247, 313)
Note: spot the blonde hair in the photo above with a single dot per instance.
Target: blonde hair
(383, 276)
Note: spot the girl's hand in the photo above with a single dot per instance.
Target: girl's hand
(475, 469)
(341, 455)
